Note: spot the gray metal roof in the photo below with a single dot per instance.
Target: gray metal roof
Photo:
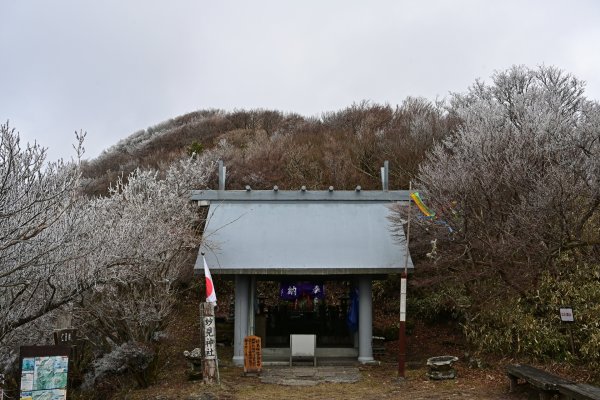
(293, 237)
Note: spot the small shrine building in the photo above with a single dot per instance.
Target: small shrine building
(301, 240)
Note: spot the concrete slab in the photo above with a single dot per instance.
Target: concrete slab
(309, 376)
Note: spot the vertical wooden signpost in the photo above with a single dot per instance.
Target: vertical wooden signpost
(403, 279)
(566, 316)
(208, 333)
(252, 355)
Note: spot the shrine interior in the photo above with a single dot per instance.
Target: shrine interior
(301, 305)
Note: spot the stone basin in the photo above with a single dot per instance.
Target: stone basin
(441, 361)
(441, 367)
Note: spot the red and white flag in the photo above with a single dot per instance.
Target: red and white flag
(211, 296)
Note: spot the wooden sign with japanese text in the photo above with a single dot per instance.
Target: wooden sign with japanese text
(210, 338)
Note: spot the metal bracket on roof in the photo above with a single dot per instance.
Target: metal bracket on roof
(385, 174)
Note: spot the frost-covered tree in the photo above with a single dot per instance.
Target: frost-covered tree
(114, 261)
(39, 232)
(146, 235)
(519, 181)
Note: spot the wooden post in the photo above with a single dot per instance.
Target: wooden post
(572, 341)
(402, 324)
(514, 383)
(208, 334)
(402, 329)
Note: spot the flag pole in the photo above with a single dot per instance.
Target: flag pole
(404, 275)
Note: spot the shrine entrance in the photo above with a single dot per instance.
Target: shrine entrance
(336, 309)
(325, 308)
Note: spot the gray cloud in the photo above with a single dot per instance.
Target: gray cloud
(115, 67)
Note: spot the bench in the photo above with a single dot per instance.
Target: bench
(546, 383)
(303, 346)
(579, 391)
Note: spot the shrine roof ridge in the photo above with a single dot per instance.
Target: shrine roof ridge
(302, 195)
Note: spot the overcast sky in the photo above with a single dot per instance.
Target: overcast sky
(114, 67)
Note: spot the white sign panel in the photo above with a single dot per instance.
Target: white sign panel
(566, 314)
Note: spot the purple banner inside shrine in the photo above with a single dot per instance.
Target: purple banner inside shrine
(297, 290)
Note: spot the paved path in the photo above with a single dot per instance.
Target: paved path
(309, 376)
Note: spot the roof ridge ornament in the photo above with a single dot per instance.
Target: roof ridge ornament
(385, 176)
(222, 175)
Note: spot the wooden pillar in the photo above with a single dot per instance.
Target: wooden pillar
(208, 334)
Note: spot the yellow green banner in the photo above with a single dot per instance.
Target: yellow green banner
(419, 202)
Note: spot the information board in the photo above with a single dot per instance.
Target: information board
(566, 314)
(44, 372)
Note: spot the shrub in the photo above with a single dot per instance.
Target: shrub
(531, 325)
(132, 358)
(195, 149)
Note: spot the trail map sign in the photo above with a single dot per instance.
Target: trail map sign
(44, 372)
